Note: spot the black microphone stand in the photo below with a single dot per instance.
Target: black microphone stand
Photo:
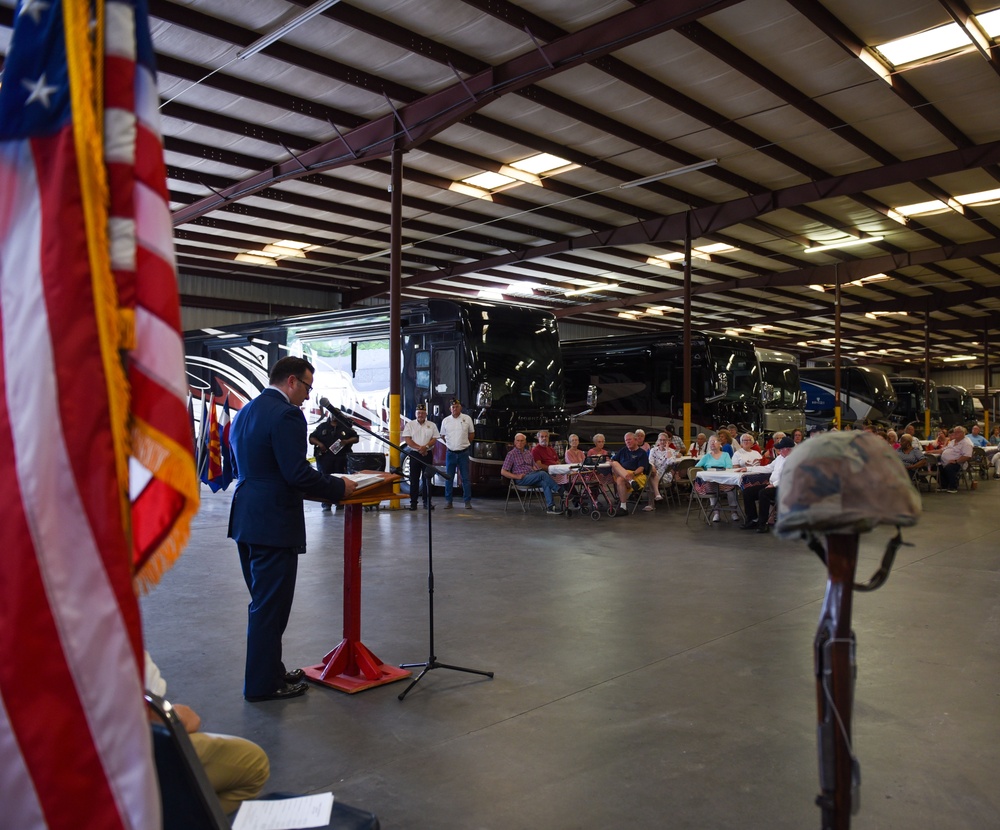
(431, 662)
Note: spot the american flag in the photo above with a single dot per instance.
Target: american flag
(97, 479)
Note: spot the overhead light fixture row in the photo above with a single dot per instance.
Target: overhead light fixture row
(849, 242)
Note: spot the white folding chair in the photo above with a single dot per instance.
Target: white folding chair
(524, 494)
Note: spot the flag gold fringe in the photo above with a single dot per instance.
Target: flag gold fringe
(85, 60)
(172, 464)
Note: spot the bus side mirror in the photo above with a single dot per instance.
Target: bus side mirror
(722, 388)
(591, 403)
(484, 397)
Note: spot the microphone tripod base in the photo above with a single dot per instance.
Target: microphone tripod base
(434, 664)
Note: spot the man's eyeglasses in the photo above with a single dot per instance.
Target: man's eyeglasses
(306, 385)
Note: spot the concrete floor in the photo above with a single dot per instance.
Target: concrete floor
(648, 674)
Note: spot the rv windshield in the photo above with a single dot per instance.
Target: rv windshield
(783, 379)
(739, 366)
(520, 357)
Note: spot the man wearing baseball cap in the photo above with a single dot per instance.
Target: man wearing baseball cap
(759, 498)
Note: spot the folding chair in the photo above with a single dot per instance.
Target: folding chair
(681, 482)
(927, 476)
(187, 797)
(524, 494)
(979, 465)
(695, 496)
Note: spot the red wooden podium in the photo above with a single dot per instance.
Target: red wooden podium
(351, 667)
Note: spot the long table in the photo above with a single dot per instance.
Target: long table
(745, 479)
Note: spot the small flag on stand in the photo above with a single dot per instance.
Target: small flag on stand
(227, 459)
(212, 469)
(100, 499)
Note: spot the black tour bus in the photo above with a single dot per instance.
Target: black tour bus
(640, 383)
(911, 403)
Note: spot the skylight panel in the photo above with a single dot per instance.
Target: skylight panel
(924, 45)
(488, 180)
(541, 163)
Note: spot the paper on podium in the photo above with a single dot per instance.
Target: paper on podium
(362, 480)
(285, 813)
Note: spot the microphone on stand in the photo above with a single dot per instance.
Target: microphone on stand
(338, 414)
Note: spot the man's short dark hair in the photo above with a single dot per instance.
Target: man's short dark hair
(288, 366)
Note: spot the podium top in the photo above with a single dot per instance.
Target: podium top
(374, 492)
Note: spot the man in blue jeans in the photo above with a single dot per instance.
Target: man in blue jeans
(520, 466)
(457, 431)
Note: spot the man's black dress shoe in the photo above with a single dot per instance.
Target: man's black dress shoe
(294, 676)
(286, 691)
(763, 528)
(748, 526)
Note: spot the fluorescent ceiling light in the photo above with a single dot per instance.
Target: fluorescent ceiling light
(959, 357)
(669, 174)
(490, 294)
(281, 31)
(849, 242)
(923, 45)
(542, 163)
(629, 315)
(874, 315)
(488, 180)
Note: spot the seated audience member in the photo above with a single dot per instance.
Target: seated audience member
(698, 446)
(674, 442)
(910, 430)
(236, 768)
(640, 436)
(602, 453)
(798, 436)
(660, 457)
(521, 466)
(770, 452)
(995, 436)
(545, 457)
(726, 442)
(629, 467)
(911, 455)
(574, 455)
(598, 449)
(941, 441)
(977, 438)
(892, 439)
(716, 459)
(746, 456)
(957, 453)
(758, 499)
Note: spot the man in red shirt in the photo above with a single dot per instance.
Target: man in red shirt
(545, 457)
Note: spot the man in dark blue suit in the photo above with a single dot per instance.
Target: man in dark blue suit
(268, 439)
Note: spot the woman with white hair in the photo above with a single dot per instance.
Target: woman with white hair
(746, 455)
(660, 456)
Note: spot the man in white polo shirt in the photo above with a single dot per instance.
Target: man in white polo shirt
(458, 432)
(420, 435)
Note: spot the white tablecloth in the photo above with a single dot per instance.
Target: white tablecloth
(721, 476)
